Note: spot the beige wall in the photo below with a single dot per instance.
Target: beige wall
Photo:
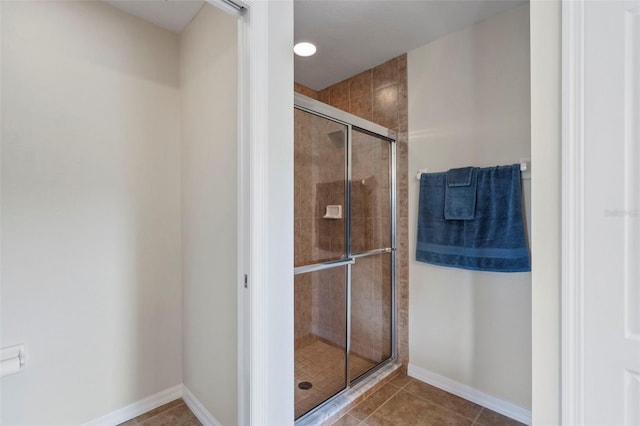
(95, 186)
(546, 212)
(90, 210)
(208, 69)
(469, 105)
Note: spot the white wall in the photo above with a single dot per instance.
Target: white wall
(90, 210)
(546, 211)
(469, 104)
(208, 69)
(272, 178)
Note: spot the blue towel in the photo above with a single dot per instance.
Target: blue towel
(460, 194)
(494, 241)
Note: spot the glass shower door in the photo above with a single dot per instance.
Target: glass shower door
(344, 251)
(371, 243)
(322, 267)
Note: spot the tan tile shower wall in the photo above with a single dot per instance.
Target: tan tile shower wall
(371, 296)
(305, 90)
(380, 95)
(319, 171)
(302, 283)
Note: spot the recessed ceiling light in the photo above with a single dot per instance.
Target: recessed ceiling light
(304, 49)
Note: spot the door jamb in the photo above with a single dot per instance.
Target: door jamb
(572, 291)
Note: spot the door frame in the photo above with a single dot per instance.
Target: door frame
(264, 210)
(574, 195)
(573, 204)
(265, 233)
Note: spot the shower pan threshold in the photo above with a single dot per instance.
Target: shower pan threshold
(331, 410)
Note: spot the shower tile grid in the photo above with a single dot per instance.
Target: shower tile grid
(175, 413)
(407, 401)
(321, 364)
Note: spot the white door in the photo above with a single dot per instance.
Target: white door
(612, 213)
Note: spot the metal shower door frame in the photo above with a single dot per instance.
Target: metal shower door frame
(352, 122)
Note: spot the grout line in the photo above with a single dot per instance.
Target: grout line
(475, 420)
(138, 422)
(405, 385)
(358, 421)
(446, 408)
(381, 405)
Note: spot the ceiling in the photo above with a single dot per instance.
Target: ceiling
(351, 35)
(355, 35)
(172, 15)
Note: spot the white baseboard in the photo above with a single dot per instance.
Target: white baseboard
(200, 411)
(138, 407)
(154, 401)
(467, 392)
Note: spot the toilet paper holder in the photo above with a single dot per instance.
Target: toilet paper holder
(12, 360)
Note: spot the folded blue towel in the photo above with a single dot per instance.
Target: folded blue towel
(460, 194)
(494, 241)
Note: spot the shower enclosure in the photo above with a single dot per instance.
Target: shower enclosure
(344, 251)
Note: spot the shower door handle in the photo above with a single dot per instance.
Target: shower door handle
(374, 252)
(322, 266)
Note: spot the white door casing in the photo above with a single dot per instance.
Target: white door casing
(265, 210)
(266, 303)
(601, 213)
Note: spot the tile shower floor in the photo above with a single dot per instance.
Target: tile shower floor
(319, 363)
(409, 402)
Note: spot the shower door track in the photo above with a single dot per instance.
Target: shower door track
(328, 112)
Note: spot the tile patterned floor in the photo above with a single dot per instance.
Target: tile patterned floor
(322, 365)
(175, 413)
(401, 402)
(409, 402)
